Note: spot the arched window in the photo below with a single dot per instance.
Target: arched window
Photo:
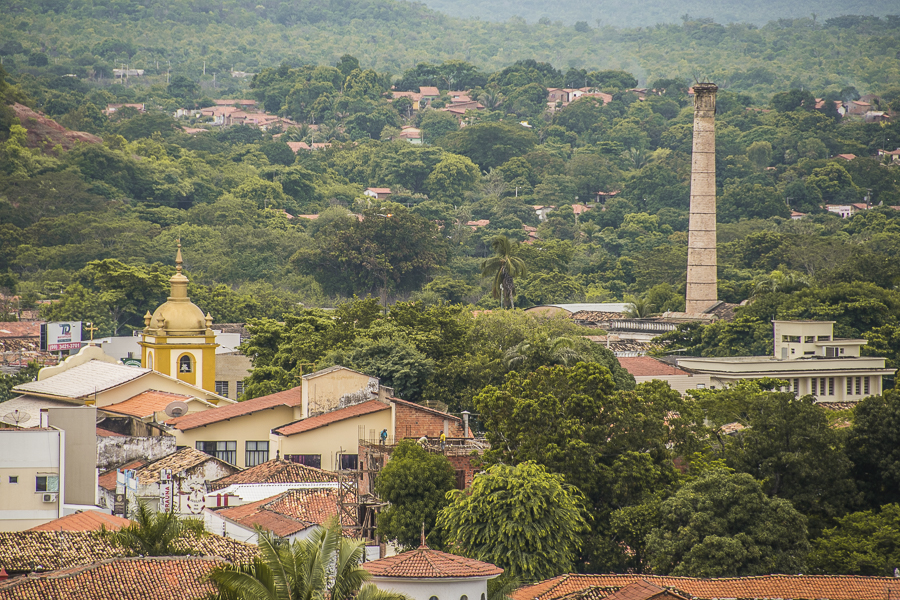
(482, 596)
(185, 365)
(463, 597)
(433, 598)
(150, 360)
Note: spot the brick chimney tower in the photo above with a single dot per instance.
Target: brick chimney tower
(701, 267)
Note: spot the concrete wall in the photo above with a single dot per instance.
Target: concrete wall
(26, 454)
(332, 440)
(232, 368)
(115, 451)
(79, 423)
(322, 393)
(253, 427)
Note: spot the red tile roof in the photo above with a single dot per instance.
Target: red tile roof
(429, 91)
(287, 513)
(323, 420)
(89, 520)
(833, 587)
(180, 461)
(146, 404)
(646, 366)
(376, 190)
(18, 329)
(642, 590)
(107, 480)
(275, 471)
(172, 578)
(425, 563)
(289, 397)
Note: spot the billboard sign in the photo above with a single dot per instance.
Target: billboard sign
(63, 336)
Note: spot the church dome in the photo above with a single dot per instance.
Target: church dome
(178, 315)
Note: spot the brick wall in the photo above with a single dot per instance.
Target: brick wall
(413, 422)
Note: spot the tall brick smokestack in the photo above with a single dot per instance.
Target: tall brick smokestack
(701, 268)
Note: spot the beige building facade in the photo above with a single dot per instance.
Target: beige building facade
(32, 477)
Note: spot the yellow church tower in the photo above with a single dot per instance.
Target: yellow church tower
(177, 339)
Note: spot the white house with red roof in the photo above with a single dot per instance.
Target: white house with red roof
(425, 574)
(646, 368)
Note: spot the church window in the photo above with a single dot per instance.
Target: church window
(150, 360)
(185, 365)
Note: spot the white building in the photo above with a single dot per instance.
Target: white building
(426, 574)
(32, 477)
(807, 355)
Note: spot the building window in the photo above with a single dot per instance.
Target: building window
(796, 386)
(309, 460)
(222, 388)
(849, 386)
(842, 350)
(349, 461)
(226, 451)
(858, 382)
(239, 388)
(814, 390)
(824, 338)
(795, 339)
(831, 386)
(14, 479)
(809, 339)
(866, 386)
(257, 453)
(185, 365)
(46, 483)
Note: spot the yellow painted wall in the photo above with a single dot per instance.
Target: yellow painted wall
(324, 391)
(333, 439)
(150, 381)
(254, 427)
(168, 350)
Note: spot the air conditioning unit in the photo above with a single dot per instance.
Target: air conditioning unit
(49, 497)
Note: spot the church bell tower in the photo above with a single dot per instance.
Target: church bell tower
(177, 339)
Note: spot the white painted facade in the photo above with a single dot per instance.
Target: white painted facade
(444, 588)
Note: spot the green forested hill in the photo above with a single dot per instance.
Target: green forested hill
(88, 39)
(650, 12)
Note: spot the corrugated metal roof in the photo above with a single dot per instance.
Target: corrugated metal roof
(84, 380)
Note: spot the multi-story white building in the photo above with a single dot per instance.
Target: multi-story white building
(32, 485)
(807, 355)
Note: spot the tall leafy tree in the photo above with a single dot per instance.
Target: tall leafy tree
(723, 525)
(874, 448)
(521, 518)
(503, 267)
(862, 543)
(415, 483)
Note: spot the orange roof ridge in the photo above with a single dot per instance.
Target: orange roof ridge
(290, 398)
(325, 419)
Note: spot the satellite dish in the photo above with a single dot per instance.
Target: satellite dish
(176, 409)
(16, 417)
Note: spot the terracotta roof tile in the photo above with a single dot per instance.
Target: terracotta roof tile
(289, 397)
(20, 329)
(357, 410)
(88, 520)
(645, 366)
(275, 471)
(833, 587)
(107, 433)
(425, 563)
(146, 403)
(107, 480)
(643, 590)
(39, 551)
(179, 461)
(287, 513)
(173, 578)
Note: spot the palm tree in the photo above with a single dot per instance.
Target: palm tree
(156, 534)
(779, 281)
(322, 565)
(503, 267)
(544, 350)
(638, 308)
